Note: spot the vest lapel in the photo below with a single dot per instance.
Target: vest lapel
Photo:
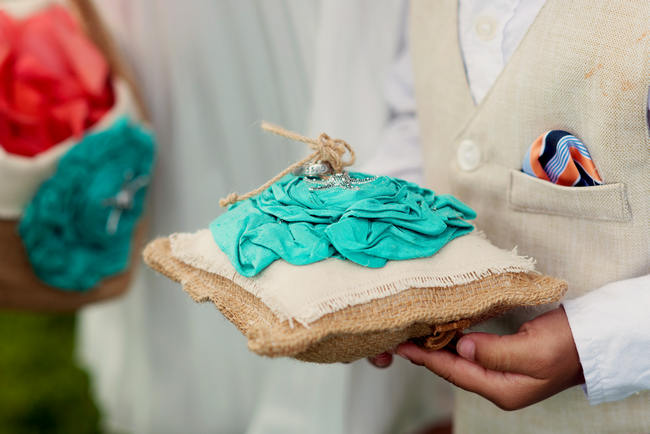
(434, 31)
(505, 72)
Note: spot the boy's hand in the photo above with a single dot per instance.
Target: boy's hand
(512, 371)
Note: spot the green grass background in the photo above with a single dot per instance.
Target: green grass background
(42, 389)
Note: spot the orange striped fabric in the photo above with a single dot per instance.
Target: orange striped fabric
(561, 158)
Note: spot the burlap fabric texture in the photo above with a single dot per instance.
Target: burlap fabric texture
(19, 287)
(362, 330)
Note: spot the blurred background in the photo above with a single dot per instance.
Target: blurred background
(153, 361)
(42, 387)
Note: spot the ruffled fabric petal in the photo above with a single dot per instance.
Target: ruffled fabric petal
(65, 226)
(385, 219)
(54, 82)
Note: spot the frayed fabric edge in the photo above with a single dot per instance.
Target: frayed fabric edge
(370, 291)
(315, 311)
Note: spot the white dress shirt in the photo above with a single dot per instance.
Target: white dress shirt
(615, 354)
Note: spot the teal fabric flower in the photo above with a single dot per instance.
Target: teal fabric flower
(78, 227)
(385, 219)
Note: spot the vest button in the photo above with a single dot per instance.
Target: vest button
(468, 155)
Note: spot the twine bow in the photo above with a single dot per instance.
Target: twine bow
(326, 150)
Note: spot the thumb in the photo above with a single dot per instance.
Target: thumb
(510, 353)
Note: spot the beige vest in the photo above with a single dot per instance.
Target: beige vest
(584, 67)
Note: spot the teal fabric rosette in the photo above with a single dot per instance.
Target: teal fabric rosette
(78, 227)
(383, 219)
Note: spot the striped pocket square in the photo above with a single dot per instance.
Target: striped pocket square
(561, 158)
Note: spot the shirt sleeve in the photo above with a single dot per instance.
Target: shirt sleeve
(398, 152)
(611, 330)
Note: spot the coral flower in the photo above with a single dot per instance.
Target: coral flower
(54, 82)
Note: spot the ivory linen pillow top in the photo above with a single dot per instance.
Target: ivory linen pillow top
(305, 293)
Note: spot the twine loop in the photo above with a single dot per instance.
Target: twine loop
(332, 151)
(326, 150)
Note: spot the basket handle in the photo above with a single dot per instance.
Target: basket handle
(98, 32)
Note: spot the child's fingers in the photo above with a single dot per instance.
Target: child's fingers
(507, 390)
(518, 353)
(382, 360)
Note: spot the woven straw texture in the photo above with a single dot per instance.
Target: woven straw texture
(21, 289)
(357, 331)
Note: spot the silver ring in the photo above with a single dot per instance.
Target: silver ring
(313, 170)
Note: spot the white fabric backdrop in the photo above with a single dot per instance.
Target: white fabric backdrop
(210, 70)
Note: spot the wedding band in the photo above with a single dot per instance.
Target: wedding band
(313, 170)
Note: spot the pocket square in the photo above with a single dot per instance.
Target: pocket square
(561, 158)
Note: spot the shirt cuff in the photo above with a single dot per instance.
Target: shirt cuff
(610, 330)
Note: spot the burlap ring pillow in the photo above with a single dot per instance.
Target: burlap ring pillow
(435, 299)
(334, 310)
(19, 287)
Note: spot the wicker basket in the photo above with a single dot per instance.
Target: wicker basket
(19, 286)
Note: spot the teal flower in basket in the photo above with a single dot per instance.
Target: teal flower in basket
(78, 227)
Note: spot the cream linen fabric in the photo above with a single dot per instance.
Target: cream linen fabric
(24, 8)
(307, 292)
(20, 177)
(583, 67)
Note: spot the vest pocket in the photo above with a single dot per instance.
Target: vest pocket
(602, 202)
